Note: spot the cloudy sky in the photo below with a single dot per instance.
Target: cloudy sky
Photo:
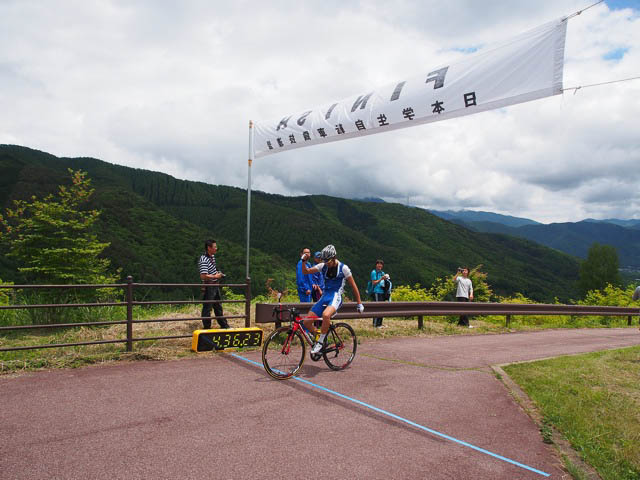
(171, 86)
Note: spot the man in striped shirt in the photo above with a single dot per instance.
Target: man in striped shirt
(210, 274)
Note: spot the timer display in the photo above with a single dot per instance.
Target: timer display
(226, 339)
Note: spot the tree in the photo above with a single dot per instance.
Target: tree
(53, 238)
(599, 269)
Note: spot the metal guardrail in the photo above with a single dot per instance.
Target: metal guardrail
(264, 311)
(129, 303)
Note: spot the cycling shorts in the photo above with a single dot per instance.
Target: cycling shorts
(333, 299)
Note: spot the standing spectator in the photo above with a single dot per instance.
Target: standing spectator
(379, 283)
(636, 295)
(210, 276)
(317, 279)
(304, 281)
(464, 292)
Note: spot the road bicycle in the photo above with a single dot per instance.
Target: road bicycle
(284, 350)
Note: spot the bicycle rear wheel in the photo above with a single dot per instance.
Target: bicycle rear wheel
(339, 346)
(283, 353)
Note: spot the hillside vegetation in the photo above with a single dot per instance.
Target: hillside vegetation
(156, 225)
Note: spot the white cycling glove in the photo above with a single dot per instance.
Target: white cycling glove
(360, 308)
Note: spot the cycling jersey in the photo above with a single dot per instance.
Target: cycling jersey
(334, 280)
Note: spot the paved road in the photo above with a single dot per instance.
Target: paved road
(220, 416)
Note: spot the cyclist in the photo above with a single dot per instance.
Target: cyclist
(335, 275)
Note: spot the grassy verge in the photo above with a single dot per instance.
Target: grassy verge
(594, 401)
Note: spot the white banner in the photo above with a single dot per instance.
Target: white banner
(524, 68)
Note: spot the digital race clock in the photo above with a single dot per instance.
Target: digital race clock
(224, 339)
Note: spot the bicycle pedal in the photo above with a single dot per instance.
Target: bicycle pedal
(315, 356)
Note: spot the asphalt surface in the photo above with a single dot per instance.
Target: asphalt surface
(222, 417)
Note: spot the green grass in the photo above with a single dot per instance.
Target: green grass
(594, 401)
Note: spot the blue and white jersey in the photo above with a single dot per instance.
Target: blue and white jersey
(334, 279)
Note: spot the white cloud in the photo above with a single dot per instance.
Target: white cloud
(171, 87)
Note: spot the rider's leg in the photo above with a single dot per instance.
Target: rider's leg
(329, 312)
(309, 324)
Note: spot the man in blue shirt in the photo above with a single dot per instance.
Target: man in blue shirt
(303, 280)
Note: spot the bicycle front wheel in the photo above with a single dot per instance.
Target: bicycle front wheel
(340, 346)
(283, 353)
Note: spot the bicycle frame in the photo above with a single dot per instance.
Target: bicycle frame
(297, 325)
(340, 338)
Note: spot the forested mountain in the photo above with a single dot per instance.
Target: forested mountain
(629, 223)
(156, 225)
(574, 238)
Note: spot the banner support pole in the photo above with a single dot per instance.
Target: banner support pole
(249, 191)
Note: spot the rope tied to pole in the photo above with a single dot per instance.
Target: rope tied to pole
(575, 89)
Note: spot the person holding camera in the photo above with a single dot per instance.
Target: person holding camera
(380, 283)
(211, 276)
(464, 292)
(636, 295)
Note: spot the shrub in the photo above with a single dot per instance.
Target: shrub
(406, 293)
(610, 295)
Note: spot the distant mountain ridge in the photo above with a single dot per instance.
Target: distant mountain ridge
(480, 216)
(630, 223)
(573, 238)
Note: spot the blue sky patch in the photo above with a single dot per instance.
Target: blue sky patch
(465, 49)
(615, 54)
(620, 4)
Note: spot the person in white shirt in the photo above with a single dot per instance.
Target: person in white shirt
(464, 292)
(636, 294)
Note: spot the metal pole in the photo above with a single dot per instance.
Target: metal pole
(249, 192)
(247, 304)
(129, 313)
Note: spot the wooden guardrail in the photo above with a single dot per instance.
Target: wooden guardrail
(264, 311)
(129, 303)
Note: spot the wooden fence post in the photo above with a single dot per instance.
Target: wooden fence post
(508, 321)
(420, 322)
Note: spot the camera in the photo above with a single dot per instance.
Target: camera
(459, 269)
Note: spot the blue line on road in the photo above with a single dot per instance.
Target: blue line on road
(421, 427)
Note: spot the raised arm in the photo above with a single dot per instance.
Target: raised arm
(306, 270)
(354, 287)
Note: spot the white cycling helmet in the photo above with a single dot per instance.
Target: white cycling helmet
(328, 252)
